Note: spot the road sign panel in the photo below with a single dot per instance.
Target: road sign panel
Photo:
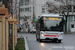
(19, 25)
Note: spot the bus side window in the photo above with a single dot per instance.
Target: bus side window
(64, 21)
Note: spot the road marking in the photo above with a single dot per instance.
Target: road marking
(48, 49)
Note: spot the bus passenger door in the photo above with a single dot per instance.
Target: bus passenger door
(38, 29)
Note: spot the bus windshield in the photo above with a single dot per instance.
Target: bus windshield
(51, 24)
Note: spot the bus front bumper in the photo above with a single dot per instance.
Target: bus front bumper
(51, 38)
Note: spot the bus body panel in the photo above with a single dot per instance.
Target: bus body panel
(51, 35)
(53, 24)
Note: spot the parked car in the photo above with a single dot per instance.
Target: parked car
(32, 30)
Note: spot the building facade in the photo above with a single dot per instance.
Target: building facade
(31, 9)
(35, 8)
(71, 20)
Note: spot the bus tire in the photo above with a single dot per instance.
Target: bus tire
(40, 40)
(36, 39)
(52, 40)
(59, 41)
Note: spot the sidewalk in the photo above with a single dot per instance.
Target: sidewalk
(69, 32)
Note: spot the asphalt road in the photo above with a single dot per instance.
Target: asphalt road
(68, 43)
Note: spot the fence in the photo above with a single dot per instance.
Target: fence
(5, 31)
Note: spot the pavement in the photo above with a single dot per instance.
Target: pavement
(68, 43)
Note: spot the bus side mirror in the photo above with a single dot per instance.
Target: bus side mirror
(64, 21)
(39, 21)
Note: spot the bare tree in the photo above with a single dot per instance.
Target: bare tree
(63, 7)
(60, 7)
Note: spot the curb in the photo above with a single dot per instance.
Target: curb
(26, 44)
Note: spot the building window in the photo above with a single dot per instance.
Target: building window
(21, 2)
(26, 9)
(43, 10)
(27, 17)
(74, 18)
(30, 9)
(72, 26)
(73, 8)
(21, 18)
(71, 18)
(57, 0)
(22, 10)
(70, 10)
(26, 2)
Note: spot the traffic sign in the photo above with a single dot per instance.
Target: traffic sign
(34, 19)
(19, 25)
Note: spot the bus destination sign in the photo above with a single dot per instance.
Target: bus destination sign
(51, 18)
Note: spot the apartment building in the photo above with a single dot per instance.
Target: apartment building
(30, 8)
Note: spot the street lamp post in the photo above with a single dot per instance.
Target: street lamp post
(19, 16)
(19, 13)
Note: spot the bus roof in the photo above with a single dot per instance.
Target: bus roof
(51, 15)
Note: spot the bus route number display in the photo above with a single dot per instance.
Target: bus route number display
(51, 18)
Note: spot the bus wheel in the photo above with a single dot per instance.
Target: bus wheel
(36, 39)
(52, 40)
(40, 40)
(59, 41)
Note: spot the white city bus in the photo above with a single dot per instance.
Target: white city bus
(49, 27)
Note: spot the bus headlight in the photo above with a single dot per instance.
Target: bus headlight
(42, 34)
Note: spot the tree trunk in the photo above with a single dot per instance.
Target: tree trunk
(66, 25)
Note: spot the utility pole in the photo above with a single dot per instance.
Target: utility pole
(25, 20)
(19, 15)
